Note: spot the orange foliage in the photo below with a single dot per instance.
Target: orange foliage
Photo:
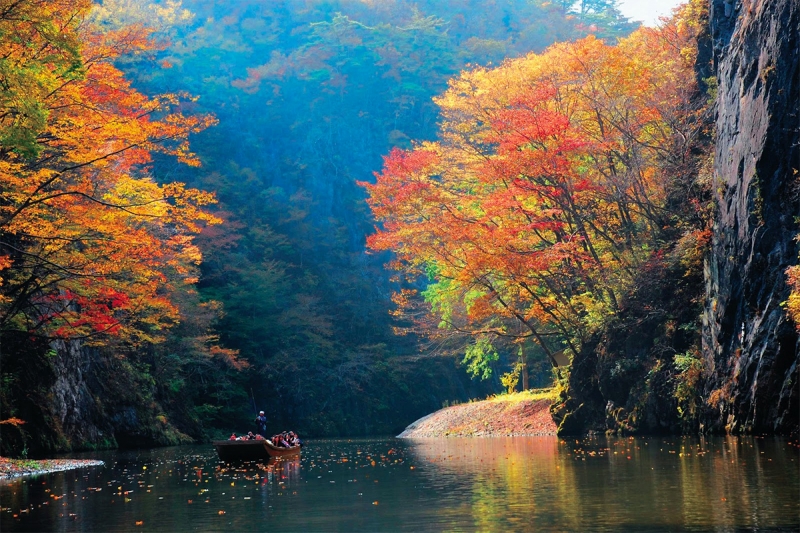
(546, 190)
(89, 243)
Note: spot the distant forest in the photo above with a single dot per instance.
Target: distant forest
(310, 96)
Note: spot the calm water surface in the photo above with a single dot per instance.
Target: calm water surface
(480, 484)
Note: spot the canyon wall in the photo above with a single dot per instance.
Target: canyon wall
(740, 373)
(75, 397)
(749, 345)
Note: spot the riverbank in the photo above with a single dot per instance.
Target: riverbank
(10, 468)
(524, 413)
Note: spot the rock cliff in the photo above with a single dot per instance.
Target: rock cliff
(75, 397)
(750, 347)
(648, 372)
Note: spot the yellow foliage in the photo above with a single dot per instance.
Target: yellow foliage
(89, 243)
(545, 192)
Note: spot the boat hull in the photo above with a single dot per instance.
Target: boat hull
(251, 450)
(241, 450)
(276, 451)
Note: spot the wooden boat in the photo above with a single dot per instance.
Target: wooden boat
(251, 450)
(277, 451)
(241, 450)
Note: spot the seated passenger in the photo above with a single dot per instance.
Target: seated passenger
(233, 436)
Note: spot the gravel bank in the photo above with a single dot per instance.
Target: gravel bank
(10, 468)
(502, 416)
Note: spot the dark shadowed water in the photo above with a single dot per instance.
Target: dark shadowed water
(479, 484)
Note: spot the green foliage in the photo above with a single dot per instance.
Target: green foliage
(480, 357)
(439, 296)
(603, 17)
(712, 88)
(29, 76)
(689, 366)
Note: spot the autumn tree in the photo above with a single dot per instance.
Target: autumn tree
(95, 250)
(89, 242)
(546, 191)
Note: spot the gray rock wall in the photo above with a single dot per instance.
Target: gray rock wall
(750, 347)
(72, 403)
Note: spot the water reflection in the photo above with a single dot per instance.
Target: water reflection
(480, 484)
(636, 484)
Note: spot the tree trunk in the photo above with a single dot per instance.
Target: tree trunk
(523, 359)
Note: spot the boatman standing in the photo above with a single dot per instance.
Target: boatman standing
(261, 422)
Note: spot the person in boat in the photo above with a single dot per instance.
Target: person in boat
(233, 436)
(261, 422)
(250, 436)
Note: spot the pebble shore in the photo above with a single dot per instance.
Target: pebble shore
(507, 416)
(11, 468)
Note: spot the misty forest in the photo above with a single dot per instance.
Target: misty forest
(352, 213)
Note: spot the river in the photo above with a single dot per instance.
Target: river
(457, 484)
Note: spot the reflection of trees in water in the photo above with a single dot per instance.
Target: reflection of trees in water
(286, 471)
(501, 473)
(517, 483)
(278, 475)
(276, 471)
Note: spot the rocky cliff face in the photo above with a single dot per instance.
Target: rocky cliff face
(640, 374)
(74, 397)
(96, 400)
(750, 347)
(71, 403)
